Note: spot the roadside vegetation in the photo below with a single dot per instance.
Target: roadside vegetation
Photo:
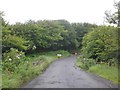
(101, 69)
(99, 53)
(0, 76)
(28, 48)
(32, 66)
(100, 50)
(105, 71)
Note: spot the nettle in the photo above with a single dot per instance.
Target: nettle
(12, 58)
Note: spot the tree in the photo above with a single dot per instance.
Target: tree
(41, 34)
(115, 17)
(81, 29)
(101, 43)
(69, 41)
(10, 40)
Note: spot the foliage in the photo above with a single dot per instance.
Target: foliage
(81, 29)
(85, 63)
(62, 52)
(25, 46)
(102, 69)
(115, 17)
(51, 34)
(12, 59)
(69, 36)
(0, 74)
(12, 41)
(32, 66)
(101, 43)
(110, 73)
(41, 34)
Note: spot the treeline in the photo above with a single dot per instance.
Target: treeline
(97, 42)
(44, 35)
(21, 39)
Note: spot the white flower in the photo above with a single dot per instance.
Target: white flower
(10, 59)
(20, 54)
(34, 47)
(18, 57)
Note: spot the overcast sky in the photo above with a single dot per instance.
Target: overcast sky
(91, 11)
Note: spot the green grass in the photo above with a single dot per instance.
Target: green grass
(85, 63)
(79, 63)
(0, 76)
(27, 71)
(0, 81)
(110, 73)
(103, 70)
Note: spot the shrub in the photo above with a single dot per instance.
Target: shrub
(12, 58)
(101, 44)
(85, 63)
(12, 41)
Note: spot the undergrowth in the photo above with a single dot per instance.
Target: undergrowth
(29, 69)
(101, 69)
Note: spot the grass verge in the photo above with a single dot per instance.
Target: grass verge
(0, 76)
(29, 69)
(110, 73)
(0, 81)
(103, 70)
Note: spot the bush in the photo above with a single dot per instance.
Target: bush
(12, 59)
(12, 41)
(85, 63)
(101, 44)
(26, 70)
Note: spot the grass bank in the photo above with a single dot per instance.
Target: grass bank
(103, 70)
(110, 73)
(34, 66)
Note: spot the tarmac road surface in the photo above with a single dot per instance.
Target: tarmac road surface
(64, 74)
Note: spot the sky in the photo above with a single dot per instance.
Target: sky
(91, 11)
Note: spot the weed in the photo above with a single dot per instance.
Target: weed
(26, 70)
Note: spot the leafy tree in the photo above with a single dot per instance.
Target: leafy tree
(41, 34)
(51, 34)
(101, 43)
(10, 40)
(69, 36)
(81, 29)
(11, 59)
(115, 17)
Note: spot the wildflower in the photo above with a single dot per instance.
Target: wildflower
(20, 54)
(10, 59)
(34, 47)
(18, 57)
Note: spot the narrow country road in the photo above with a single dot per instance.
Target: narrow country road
(64, 74)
